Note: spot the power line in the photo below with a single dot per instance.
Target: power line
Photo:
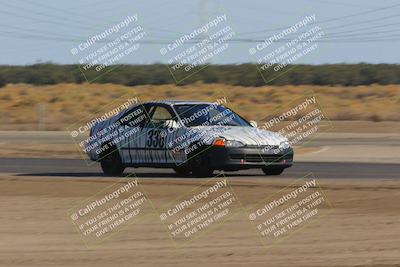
(327, 20)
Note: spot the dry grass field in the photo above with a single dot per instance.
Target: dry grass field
(55, 107)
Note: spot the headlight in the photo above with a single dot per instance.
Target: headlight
(284, 145)
(233, 143)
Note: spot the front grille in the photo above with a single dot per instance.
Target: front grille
(258, 157)
(264, 147)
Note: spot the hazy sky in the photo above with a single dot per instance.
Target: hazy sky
(46, 30)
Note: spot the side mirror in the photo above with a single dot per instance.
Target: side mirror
(171, 124)
(254, 124)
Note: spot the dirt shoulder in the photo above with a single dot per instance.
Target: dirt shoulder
(362, 228)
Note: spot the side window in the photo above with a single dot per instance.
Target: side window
(159, 115)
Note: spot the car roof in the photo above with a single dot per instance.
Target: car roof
(178, 102)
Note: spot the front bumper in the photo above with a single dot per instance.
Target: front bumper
(232, 158)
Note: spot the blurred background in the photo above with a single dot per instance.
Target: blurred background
(65, 62)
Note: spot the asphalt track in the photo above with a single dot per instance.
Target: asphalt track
(79, 168)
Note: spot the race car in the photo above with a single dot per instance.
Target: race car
(192, 137)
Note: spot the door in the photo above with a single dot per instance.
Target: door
(156, 135)
(133, 135)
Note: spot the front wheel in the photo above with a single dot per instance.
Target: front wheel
(273, 170)
(200, 166)
(111, 164)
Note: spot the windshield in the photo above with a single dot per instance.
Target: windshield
(208, 114)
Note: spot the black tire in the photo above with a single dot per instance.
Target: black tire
(111, 164)
(200, 166)
(273, 170)
(182, 170)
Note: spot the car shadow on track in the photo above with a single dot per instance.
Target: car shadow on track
(128, 174)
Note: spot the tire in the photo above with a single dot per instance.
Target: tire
(201, 167)
(182, 170)
(273, 170)
(111, 164)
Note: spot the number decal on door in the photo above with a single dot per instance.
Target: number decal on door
(155, 139)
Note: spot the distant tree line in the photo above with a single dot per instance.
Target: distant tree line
(244, 75)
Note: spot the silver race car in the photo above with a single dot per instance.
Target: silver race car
(190, 137)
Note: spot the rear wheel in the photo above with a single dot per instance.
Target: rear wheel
(273, 170)
(111, 164)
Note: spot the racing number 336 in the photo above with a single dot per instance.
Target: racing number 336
(155, 139)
